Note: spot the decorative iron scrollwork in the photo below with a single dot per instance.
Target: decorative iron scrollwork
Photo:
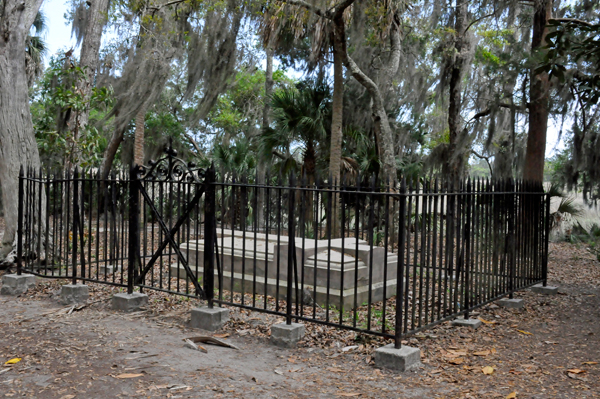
(171, 168)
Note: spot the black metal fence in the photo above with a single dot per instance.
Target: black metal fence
(369, 258)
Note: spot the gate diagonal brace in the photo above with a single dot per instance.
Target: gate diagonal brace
(169, 239)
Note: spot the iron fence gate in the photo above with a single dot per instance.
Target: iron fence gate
(357, 254)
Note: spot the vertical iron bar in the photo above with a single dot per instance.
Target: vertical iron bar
(209, 237)
(20, 221)
(134, 228)
(75, 224)
(400, 272)
(291, 249)
(546, 239)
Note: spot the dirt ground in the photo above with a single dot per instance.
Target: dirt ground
(547, 350)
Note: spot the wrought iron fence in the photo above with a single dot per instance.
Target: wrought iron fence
(388, 261)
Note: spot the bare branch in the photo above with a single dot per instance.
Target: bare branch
(194, 143)
(488, 111)
(479, 19)
(340, 8)
(487, 160)
(278, 154)
(572, 20)
(308, 6)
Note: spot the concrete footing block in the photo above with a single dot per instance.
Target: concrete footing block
(129, 302)
(108, 269)
(71, 294)
(462, 322)
(403, 359)
(511, 303)
(547, 290)
(210, 319)
(13, 284)
(287, 335)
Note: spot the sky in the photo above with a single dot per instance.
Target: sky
(58, 38)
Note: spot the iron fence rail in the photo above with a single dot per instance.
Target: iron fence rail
(363, 257)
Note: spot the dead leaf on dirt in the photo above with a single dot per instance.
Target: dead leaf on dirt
(482, 353)
(211, 340)
(221, 335)
(455, 353)
(576, 371)
(525, 332)
(13, 361)
(486, 321)
(335, 369)
(348, 395)
(576, 376)
(278, 372)
(487, 370)
(511, 395)
(128, 375)
(436, 371)
(458, 360)
(291, 360)
(590, 363)
(67, 397)
(550, 343)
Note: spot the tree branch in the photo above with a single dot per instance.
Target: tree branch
(572, 20)
(487, 160)
(310, 7)
(340, 8)
(278, 154)
(488, 111)
(479, 19)
(331, 13)
(194, 143)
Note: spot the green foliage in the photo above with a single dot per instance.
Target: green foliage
(575, 45)
(590, 236)
(56, 99)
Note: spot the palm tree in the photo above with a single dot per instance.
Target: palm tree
(35, 49)
(302, 119)
(237, 159)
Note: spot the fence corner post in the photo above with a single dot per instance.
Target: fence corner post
(291, 248)
(209, 236)
(134, 228)
(20, 221)
(546, 238)
(400, 271)
(75, 223)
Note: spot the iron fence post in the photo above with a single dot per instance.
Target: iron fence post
(400, 271)
(75, 223)
(546, 239)
(467, 251)
(511, 236)
(20, 221)
(134, 228)
(209, 237)
(291, 249)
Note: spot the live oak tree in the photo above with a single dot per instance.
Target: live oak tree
(539, 97)
(17, 141)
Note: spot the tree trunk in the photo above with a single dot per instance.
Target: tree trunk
(88, 61)
(337, 115)
(454, 165)
(539, 99)
(110, 152)
(385, 139)
(138, 143)
(17, 138)
(266, 122)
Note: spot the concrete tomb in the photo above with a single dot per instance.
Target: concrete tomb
(350, 271)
